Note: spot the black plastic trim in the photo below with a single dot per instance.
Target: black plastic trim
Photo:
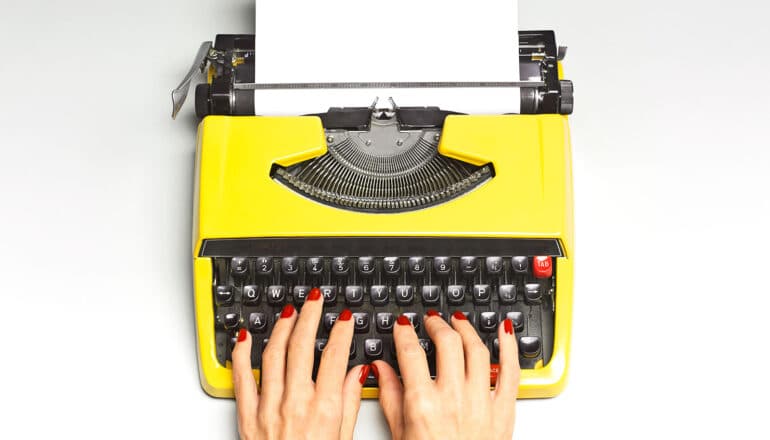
(394, 246)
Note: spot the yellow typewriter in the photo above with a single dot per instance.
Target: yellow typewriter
(388, 211)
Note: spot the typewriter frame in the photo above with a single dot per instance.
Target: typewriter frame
(232, 148)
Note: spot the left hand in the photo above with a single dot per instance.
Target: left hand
(291, 405)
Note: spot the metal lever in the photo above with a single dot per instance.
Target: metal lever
(179, 94)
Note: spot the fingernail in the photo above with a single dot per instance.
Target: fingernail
(375, 371)
(403, 320)
(459, 315)
(345, 315)
(287, 311)
(432, 312)
(364, 374)
(241, 335)
(508, 326)
(314, 294)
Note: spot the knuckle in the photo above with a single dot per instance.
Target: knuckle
(411, 349)
(479, 349)
(447, 336)
(331, 351)
(273, 354)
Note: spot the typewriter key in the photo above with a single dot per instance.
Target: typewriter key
(520, 265)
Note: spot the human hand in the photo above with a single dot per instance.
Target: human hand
(290, 405)
(458, 403)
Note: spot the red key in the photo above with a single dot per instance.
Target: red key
(542, 267)
(493, 370)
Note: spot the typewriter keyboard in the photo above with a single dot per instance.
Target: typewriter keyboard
(249, 292)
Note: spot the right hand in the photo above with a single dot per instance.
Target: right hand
(458, 404)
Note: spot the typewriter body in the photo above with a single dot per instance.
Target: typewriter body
(388, 211)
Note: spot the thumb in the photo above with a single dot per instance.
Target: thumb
(351, 399)
(244, 385)
(391, 397)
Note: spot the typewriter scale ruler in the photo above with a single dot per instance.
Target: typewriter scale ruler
(383, 169)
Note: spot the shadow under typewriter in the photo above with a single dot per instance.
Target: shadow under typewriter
(383, 169)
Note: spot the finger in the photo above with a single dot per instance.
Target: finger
(351, 399)
(391, 397)
(299, 360)
(244, 385)
(507, 387)
(273, 373)
(450, 368)
(476, 353)
(412, 360)
(334, 360)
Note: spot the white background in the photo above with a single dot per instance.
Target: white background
(671, 163)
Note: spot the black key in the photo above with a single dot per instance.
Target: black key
(329, 320)
(250, 295)
(517, 318)
(481, 294)
(507, 293)
(276, 295)
(495, 348)
(520, 265)
(373, 348)
(289, 266)
(361, 322)
(392, 266)
(385, 322)
(379, 295)
(365, 266)
(416, 266)
(300, 293)
(426, 345)
(494, 265)
(257, 322)
(329, 293)
(354, 295)
(468, 266)
(414, 318)
(442, 265)
(264, 265)
(239, 267)
(488, 321)
(314, 266)
(404, 295)
(532, 293)
(230, 320)
(340, 266)
(352, 350)
(223, 295)
(455, 294)
(264, 344)
(320, 344)
(529, 346)
(431, 295)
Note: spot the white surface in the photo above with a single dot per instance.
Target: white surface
(671, 180)
(396, 41)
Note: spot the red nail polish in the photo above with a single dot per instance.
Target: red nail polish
(375, 371)
(508, 324)
(241, 335)
(364, 374)
(314, 294)
(345, 315)
(287, 311)
(459, 315)
(403, 320)
(432, 312)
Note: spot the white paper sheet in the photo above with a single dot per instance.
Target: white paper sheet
(397, 40)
